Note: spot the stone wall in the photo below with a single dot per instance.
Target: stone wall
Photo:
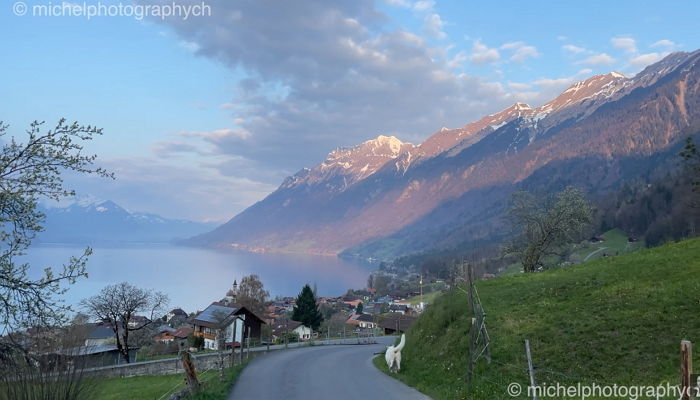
(169, 366)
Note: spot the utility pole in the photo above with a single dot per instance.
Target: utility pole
(233, 345)
(247, 353)
(421, 288)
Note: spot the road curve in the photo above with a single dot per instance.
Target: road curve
(321, 372)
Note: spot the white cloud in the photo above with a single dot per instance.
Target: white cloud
(598, 60)
(545, 89)
(521, 51)
(665, 43)
(482, 54)
(424, 6)
(220, 134)
(399, 3)
(519, 86)
(189, 46)
(433, 25)
(626, 44)
(457, 62)
(574, 49)
(562, 38)
(643, 60)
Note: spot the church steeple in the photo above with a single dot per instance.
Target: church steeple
(231, 294)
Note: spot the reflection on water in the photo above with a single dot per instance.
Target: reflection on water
(194, 277)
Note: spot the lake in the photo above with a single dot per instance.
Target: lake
(194, 277)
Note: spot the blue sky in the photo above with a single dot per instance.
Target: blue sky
(205, 116)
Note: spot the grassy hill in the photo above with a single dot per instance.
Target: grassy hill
(614, 243)
(617, 320)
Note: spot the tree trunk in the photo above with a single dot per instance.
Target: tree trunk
(125, 345)
(120, 347)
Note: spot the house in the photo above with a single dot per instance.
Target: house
(167, 334)
(101, 334)
(138, 320)
(373, 308)
(235, 321)
(364, 321)
(396, 323)
(164, 334)
(385, 299)
(95, 356)
(182, 333)
(398, 308)
(303, 332)
(352, 303)
(175, 313)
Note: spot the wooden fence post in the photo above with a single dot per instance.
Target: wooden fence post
(190, 373)
(470, 287)
(530, 369)
(686, 369)
(472, 360)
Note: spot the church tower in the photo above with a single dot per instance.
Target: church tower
(232, 294)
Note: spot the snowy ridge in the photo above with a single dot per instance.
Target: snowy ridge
(353, 164)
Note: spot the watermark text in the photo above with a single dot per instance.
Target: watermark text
(89, 10)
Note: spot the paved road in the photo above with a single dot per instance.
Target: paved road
(335, 372)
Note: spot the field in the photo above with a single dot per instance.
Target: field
(614, 243)
(160, 387)
(616, 320)
(427, 298)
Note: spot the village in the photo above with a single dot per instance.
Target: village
(227, 325)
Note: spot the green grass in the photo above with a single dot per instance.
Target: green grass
(428, 298)
(157, 387)
(137, 387)
(614, 243)
(614, 320)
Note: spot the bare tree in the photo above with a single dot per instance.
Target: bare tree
(118, 304)
(252, 294)
(547, 225)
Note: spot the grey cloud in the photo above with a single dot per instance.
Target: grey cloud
(324, 74)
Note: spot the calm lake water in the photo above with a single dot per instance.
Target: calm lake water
(193, 277)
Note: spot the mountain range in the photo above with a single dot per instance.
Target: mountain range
(95, 222)
(385, 198)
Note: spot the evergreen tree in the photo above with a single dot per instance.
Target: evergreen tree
(359, 308)
(691, 157)
(306, 311)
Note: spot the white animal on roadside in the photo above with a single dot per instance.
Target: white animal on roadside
(393, 355)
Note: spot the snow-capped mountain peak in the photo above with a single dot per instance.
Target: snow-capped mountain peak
(351, 164)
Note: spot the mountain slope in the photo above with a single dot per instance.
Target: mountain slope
(605, 321)
(467, 174)
(105, 222)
